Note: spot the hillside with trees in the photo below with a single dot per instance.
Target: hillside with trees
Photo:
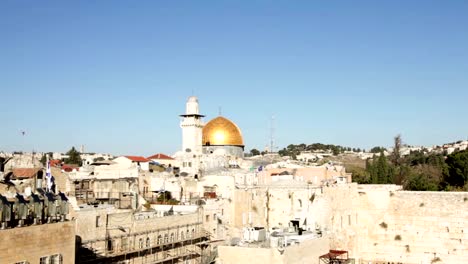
(294, 150)
(418, 171)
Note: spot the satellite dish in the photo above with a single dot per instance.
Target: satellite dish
(188, 150)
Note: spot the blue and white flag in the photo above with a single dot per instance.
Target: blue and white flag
(48, 176)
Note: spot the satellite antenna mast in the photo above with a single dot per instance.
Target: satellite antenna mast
(272, 134)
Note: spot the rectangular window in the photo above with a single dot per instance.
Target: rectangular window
(207, 218)
(52, 259)
(44, 260)
(98, 221)
(56, 259)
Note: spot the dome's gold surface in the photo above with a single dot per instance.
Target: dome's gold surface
(222, 132)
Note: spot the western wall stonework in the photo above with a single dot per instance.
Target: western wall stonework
(394, 226)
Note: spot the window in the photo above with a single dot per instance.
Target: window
(148, 242)
(207, 218)
(44, 260)
(160, 240)
(140, 242)
(56, 259)
(166, 239)
(52, 259)
(22, 262)
(182, 237)
(98, 221)
(172, 237)
(124, 244)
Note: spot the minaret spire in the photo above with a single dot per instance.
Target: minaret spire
(192, 127)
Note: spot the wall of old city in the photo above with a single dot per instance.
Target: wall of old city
(412, 227)
(33, 242)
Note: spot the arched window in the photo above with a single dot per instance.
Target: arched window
(172, 237)
(160, 240)
(193, 233)
(166, 239)
(141, 243)
(188, 233)
(148, 242)
(182, 237)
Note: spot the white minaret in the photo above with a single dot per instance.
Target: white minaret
(192, 127)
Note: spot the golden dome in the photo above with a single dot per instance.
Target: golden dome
(222, 132)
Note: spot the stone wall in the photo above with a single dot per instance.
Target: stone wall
(412, 227)
(33, 242)
(375, 223)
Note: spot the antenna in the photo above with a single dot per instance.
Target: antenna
(272, 134)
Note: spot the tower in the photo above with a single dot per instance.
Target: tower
(192, 127)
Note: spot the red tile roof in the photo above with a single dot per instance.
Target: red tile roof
(161, 156)
(137, 158)
(55, 163)
(25, 173)
(70, 167)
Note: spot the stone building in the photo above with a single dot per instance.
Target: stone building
(36, 229)
(169, 234)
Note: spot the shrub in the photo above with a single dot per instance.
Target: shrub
(398, 238)
(383, 225)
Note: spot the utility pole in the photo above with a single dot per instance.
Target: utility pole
(272, 134)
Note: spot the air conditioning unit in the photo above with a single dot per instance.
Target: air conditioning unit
(5, 212)
(20, 208)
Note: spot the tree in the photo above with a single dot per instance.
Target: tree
(73, 157)
(395, 157)
(254, 152)
(377, 149)
(379, 170)
(98, 159)
(43, 159)
(420, 182)
(457, 173)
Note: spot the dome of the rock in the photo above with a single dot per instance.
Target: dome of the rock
(222, 132)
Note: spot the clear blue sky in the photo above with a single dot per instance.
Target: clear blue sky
(114, 75)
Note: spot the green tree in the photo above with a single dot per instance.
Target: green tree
(98, 159)
(420, 182)
(43, 159)
(73, 157)
(395, 157)
(254, 152)
(457, 173)
(377, 149)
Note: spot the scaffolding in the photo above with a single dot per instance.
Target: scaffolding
(177, 244)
